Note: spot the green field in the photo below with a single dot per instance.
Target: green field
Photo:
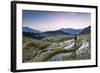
(40, 50)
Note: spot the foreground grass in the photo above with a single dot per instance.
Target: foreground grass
(45, 57)
(31, 47)
(86, 54)
(35, 50)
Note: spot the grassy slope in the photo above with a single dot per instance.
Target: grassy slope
(31, 45)
(86, 54)
(48, 55)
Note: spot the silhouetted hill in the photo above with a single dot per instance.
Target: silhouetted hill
(86, 30)
(33, 35)
(57, 32)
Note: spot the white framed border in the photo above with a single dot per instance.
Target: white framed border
(22, 66)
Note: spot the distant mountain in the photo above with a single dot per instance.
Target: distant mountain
(86, 30)
(71, 30)
(27, 29)
(29, 32)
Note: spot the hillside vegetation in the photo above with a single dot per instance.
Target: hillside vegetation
(39, 47)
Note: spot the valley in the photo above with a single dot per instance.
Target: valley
(56, 45)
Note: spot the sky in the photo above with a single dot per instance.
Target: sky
(53, 20)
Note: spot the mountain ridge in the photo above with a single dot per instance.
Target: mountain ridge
(71, 30)
(27, 29)
(68, 31)
(86, 30)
